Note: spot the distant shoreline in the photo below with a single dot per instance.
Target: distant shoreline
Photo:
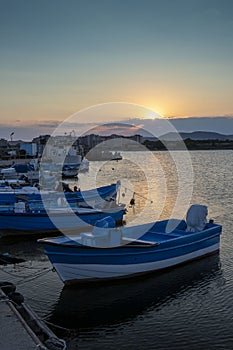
(153, 146)
(191, 145)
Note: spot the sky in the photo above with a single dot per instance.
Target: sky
(60, 56)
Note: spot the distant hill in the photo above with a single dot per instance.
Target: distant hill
(196, 135)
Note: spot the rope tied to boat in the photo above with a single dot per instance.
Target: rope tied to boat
(27, 278)
(137, 194)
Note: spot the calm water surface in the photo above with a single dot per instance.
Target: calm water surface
(185, 308)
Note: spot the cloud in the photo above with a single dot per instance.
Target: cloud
(145, 127)
(220, 124)
(48, 124)
(120, 128)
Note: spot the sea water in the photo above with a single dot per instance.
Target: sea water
(188, 307)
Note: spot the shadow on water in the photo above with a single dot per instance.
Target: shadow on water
(23, 246)
(83, 307)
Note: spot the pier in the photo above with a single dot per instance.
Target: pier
(15, 333)
(20, 327)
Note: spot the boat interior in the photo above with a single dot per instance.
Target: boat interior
(146, 235)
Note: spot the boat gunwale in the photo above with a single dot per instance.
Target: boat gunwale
(49, 213)
(44, 241)
(82, 246)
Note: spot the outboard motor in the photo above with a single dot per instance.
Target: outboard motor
(196, 218)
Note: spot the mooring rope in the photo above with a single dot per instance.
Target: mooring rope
(43, 273)
(27, 278)
(56, 326)
(137, 194)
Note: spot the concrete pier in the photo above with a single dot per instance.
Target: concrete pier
(20, 327)
(14, 333)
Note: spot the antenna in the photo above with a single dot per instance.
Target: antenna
(11, 136)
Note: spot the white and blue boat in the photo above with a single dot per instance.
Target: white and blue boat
(21, 171)
(110, 253)
(24, 219)
(71, 164)
(9, 195)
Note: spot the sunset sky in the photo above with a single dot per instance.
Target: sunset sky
(59, 56)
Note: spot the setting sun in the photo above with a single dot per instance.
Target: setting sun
(153, 115)
(152, 112)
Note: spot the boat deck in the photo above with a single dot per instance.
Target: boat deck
(129, 237)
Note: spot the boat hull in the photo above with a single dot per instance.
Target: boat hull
(70, 171)
(106, 272)
(82, 197)
(85, 264)
(39, 222)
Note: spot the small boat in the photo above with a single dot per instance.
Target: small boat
(20, 171)
(92, 196)
(70, 170)
(116, 156)
(9, 195)
(108, 253)
(71, 164)
(25, 219)
(96, 154)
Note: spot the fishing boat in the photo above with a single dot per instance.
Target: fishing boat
(11, 192)
(71, 164)
(9, 195)
(96, 154)
(116, 156)
(107, 253)
(21, 171)
(34, 170)
(25, 218)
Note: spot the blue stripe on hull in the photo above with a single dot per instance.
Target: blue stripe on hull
(40, 222)
(70, 273)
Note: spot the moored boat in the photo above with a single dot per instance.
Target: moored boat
(108, 253)
(96, 154)
(20, 171)
(9, 195)
(71, 164)
(23, 219)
